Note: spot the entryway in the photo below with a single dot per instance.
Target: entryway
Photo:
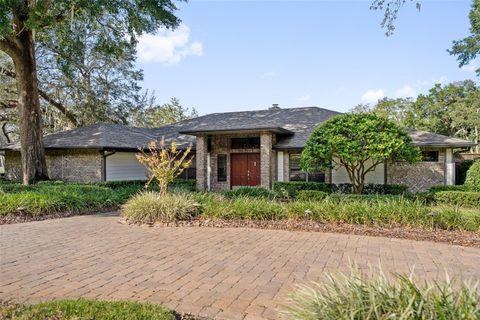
(245, 169)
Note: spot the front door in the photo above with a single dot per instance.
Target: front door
(245, 169)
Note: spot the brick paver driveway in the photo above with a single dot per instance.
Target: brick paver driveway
(223, 273)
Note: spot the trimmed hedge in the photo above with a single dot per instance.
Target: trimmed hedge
(473, 176)
(290, 189)
(436, 189)
(311, 195)
(459, 198)
(257, 192)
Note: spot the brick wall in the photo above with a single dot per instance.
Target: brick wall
(67, 165)
(418, 177)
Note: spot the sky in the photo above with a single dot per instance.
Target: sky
(247, 55)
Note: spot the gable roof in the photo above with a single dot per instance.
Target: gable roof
(292, 125)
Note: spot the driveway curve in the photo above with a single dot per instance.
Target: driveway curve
(216, 273)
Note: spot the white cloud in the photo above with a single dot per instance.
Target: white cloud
(304, 98)
(167, 46)
(373, 95)
(406, 91)
(471, 67)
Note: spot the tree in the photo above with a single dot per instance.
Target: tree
(391, 9)
(164, 163)
(23, 22)
(468, 48)
(160, 115)
(359, 143)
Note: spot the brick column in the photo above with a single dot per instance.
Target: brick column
(201, 160)
(265, 159)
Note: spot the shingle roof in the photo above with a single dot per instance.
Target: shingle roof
(428, 139)
(292, 125)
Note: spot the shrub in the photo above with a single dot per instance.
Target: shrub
(246, 208)
(458, 198)
(473, 176)
(311, 195)
(371, 188)
(436, 189)
(291, 188)
(454, 218)
(373, 296)
(150, 207)
(86, 309)
(257, 192)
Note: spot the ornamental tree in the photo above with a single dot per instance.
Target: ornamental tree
(359, 143)
(164, 162)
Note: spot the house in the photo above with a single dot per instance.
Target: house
(232, 149)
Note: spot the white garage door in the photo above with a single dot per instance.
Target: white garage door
(124, 166)
(377, 176)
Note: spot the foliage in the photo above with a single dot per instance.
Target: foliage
(436, 189)
(311, 195)
(451, 109)
(164, 163)
(372, 295)
(390, 9)
(457, 219)
(86, 309)
(150, 207)
(291, 188)
(459, 198)
(257, 192)
(245, 208)
(473, 176)
(468, 48)
(359, 143)
(160, 115)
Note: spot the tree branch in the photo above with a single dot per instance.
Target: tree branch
(69, 115)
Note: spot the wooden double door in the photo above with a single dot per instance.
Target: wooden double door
(245, 169)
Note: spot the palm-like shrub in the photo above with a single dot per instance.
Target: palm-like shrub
(150, 207)
(373, 296)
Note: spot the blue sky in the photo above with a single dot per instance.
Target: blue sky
(244, 55)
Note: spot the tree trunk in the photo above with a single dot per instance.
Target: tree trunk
(34, 166)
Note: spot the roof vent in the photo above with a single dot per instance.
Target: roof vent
(274, 107)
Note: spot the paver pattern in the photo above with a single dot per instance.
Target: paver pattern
(215, 273)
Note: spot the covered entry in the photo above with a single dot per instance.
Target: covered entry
(245, 169)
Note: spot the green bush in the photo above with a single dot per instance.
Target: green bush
(291, 188)
(311, 195)
(245, 208)
(459, 198)
(44, 198)
(373, 296)
(85, 309)
(150, 207)
(257, 192)
(454, 218)
(473, 176)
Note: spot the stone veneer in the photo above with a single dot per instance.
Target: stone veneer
(66, 165)
(418, 177)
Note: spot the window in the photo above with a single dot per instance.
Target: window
(296, 173)
(222, 167)
(430, 156)
(245, 143)
(189, 173)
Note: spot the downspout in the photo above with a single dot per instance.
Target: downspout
(105, 154)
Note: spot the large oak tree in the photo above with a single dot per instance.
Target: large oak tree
(24, 22)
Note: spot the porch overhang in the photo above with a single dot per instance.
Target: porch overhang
(208, 131)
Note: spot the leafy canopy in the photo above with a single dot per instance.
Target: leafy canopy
(359, 143)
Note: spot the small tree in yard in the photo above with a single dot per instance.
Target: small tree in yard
(473, 176)
(359, 143)
(163, 162)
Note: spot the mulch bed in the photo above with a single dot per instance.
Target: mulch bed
(21, 218)
(460, 238)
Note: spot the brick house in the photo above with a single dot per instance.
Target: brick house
(231, 149)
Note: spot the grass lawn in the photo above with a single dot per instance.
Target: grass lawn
(86, 310)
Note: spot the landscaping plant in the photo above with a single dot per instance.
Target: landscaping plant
(256, 192)
(149, 207)
(372, 296)
(472, 179)
(358, 143)
(164, 163)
